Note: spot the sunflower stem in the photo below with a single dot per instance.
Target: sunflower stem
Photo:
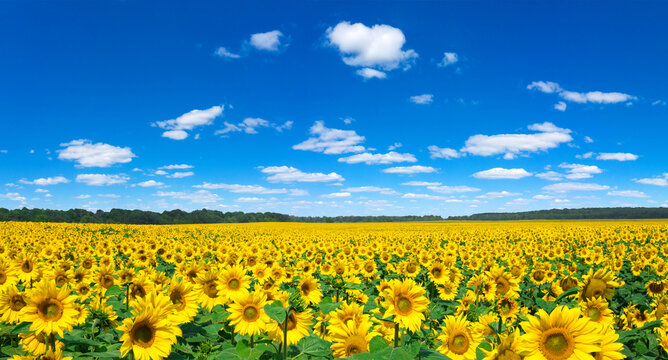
(127, 296)
(252, 342)
(498, 331)
(52, 342)
(285, 333)
(337, 295)
(396, 335)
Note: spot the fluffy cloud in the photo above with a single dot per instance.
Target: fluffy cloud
(101, 179)
(150, 183)
(331, 141)
(291, 174)
(87, 154)
(384, 191)
(374, 159)
(657, 181)
(244, 189)
(452, 189)
(579, 171)
(176, 128)
(415, 169)
(197, 197)
(422, 99)
(498, 194)
(181, 174)
(575, 186)
(421, 183)
(374, 48)
(369, 73)
(13, 197)
(449, 58)
(628, 193)
(250, 126)
(442, 153)
(617, 156)
(423, 196)
(268, 41)
(336, 195)
(550, 175)
(501, 173)
(561, 106)
(548, 137)
(596, 97)
(176, 167)
(223, 52)
(46, 181)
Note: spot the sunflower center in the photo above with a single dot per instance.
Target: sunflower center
(568, 283)
(177, 299)
(3, 277)
(17, 303)
(508, 355)
(368, 268)
(107, 281)
(61, 280)
(557, 344)
(515, 270)
(233, 284)
(437, 273)
(502, 285)
(595, 288)
(656, 287)
(305, 289)
(138, 291)
(594, 314)
(539, 275)
(210, 289)
(404, 305)
(83, 290)
(143, 335)
(504, 307)
(87, 264)
(50, 309)
(26, 267)
(292, 321)
(411, 267)
(251, 313)
(459, 343)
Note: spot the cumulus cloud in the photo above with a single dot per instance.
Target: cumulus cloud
(498, 194)
(223, 52)
(449, 58)
(422, 99)
(197, 197)
(574, 186)
(181, 174)
(267, 41)
(548, 137)
(579, 171)
(596, 97)
(176, 167)
(83, 196)
(617, 156)
(251, 125)
(13, 197)
(394, 146)
(502, 173)
(176, 128)
(101, 179)
(379, 47)
(46, 181)
(415, 169)
(87, 154)
(550, 175)
(452, 189)
(382, 190)
(291, 174)
(628, 193)
(657, 181)
(374, 159)
(423, 196)
(442, 153)
(421, 183)
(150, 183)
(244, 189)
(336, 195)
(588, 140)
(561, 106)
(331, 141)
(369, 73)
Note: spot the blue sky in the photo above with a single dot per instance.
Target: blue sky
(333, 108)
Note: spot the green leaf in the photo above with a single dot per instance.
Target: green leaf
(314, 346)
(275, 311)
(114, 290)
(566, 293)
(426, 354)
(327, 308)
(218, 314)
(377, 344)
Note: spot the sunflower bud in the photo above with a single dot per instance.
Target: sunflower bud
(297, 302)
(338, 282)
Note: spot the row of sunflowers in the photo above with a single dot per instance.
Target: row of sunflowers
(442, 290)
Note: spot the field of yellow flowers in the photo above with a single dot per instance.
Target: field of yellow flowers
(457, 290)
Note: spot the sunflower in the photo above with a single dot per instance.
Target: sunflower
(597, 311)
(247, 313)
(298, 323)
(564, 284)
(50, 355)
(458, 339)
(60, 276)
(7, 274)
(507, 349)
(50, 310)
(105, 276)
(348, 340)
(406, 302)
(149, 336)
(37, 344)
(610, 348)
(27, 269)
(310, 289)
(507, 307)
(448, 291)
(347, 314)
(140, 286)
(104, 313)
(505, 282)
(83, 313)
(600, 283)
(233, 282)
(208, 290)
(184, 298)
(656, 288)
(11, 303)
(560, 335)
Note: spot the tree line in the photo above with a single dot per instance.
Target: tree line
(574, 214)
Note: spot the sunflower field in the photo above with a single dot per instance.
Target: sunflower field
(441, 290)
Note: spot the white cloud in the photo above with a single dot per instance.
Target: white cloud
(379, 46)
(422, 99)
(41, 190)
(331, 141)
(251, 199)
(298, 192)
(588, 155)
(596, 97)
(87, 154)
(369, 73)
(617, 156)
(82, 197)
(250, 126)
(374, 159)
(13, 197)
(498, 194)
(244, 189)
(421, 183)
(659, 102)
(176, 128)
(452, 189)
(394, 146)
(575, 186)
(423, 196)
(415, 169)
(110, 196)
(543, 197)
(101, 179)
(561, 106)
(336, 195)
(550, 175)
(588, 140)
(449, 58)
(181, 174)
(176, 167)
(628, 193)
(384, 191)
(46, 181)
(579, 171)
(268, 41)
(511, 145)
(161, 172)
(223, 52)
(501, 173)
(198, 197)
(442, 153)
(286, 126)
(150, 183)
(657, 181)
(291, 174)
